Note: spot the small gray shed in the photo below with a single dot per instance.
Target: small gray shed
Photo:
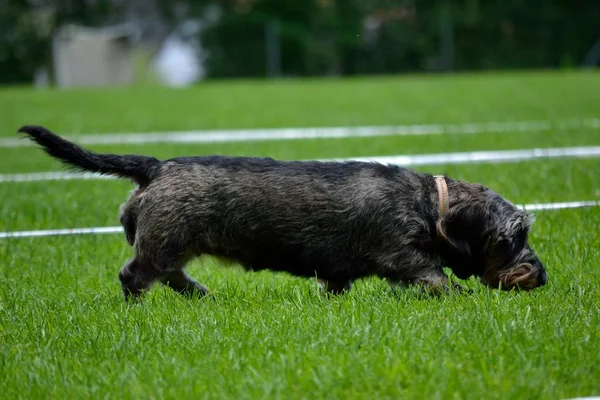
(93, 56)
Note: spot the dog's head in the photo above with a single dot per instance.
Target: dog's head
(485, 235)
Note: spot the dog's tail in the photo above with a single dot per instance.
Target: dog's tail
(141, 169)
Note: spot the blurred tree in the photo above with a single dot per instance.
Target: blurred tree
(24, 41)
(26, 29)
(252, 38)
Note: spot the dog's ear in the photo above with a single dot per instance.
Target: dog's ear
(463, 231)
(463, 224)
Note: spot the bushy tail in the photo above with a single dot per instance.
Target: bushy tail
(141, 169)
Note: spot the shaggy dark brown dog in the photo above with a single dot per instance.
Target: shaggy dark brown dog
(335, 221)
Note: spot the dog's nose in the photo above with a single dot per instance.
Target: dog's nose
(542, 277)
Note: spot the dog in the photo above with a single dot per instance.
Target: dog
(336, 221)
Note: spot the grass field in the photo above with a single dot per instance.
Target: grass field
(65, 331)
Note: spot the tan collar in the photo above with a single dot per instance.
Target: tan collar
(442, 190)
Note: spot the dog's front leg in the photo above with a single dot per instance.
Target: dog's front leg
(184, 284)
(436, 282)
(422, 271)
(433, 281)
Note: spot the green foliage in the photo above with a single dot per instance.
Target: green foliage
(26, 31)
(24, 41)
(328, 37)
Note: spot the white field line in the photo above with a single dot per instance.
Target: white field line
(407, 160)
(558, 206)
(245, 135)
(118, 229)
(482, 156)
(63, 232)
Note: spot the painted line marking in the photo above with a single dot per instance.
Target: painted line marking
(502, 156)
(119, 229)
(246, 135)
(558, 206)
(63, 232)
(482, 156)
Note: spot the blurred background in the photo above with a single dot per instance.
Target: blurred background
(120, 42)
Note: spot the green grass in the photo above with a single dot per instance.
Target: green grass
(65, 331)
(360, 101)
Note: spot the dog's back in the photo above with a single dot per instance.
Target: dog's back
(301, 217)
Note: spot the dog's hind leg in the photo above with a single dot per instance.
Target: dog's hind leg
(136, 277)
(184, 284)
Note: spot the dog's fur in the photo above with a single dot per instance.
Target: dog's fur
(336, 221)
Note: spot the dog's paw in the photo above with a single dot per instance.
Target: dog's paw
(456, 288)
